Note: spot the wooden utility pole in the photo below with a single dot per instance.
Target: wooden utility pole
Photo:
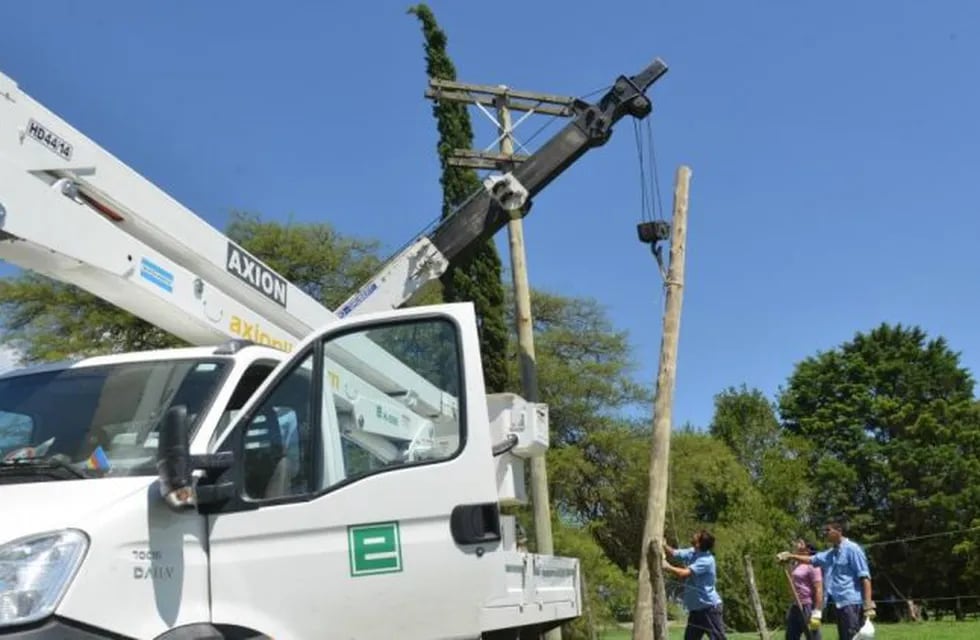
(540, 499)
(506, 100)
(650, 614)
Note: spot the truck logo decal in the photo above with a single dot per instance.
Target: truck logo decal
(153, 573)
(156, 275)
(360, 297)
(50, 140)
(253, 331)
(385, 416)
(258, 276)
(374, 548)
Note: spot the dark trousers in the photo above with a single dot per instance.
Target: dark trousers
(848, 621)
(797, 624)
(705, 621)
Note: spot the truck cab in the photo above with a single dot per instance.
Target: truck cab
(238, 491)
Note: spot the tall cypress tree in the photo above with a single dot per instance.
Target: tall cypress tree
(476, 276)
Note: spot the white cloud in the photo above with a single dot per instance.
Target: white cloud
(8, 359)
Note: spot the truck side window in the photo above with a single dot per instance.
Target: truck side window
(251, 380)
(391, 398)
(278, 460)
(388, 398)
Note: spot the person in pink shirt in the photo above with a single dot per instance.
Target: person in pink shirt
(807, 582)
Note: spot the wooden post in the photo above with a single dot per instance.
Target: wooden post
(507, 100)
(587, 607)
(540, 499)
(650, 614)
(760, 617)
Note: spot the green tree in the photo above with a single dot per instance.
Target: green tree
(785, 480)
(608, 589)
(476, 275)
(585, 366)
(315, 257)
(746, 421)
(895, 436)
(48, 320)
(602, 481)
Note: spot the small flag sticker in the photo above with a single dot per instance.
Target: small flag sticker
(98, 460)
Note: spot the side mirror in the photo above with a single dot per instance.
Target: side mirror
(174, 464)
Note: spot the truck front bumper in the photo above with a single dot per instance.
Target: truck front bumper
(56, 629)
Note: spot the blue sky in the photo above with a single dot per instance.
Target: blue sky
(833, 147)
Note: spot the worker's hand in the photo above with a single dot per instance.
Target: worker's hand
(666, 565)
(815, 617)
(869, 609)
(782, 556)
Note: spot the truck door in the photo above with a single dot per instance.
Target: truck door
(350, 464)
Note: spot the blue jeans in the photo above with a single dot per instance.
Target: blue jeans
(797, 624)
(705, 622)
(849, 620)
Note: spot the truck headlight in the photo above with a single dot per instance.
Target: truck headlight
(35, 572)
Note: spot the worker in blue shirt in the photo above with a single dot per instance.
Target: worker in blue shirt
(701, 599)
(846, 578)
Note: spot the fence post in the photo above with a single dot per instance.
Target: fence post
(760, 618)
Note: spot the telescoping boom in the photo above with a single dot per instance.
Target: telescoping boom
(484, 215)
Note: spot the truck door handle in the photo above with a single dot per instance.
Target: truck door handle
(475, 523)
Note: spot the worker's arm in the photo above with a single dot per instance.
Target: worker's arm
(783, 556)
(680, 572)
(860, 563)
(869, 604)
(817, 589)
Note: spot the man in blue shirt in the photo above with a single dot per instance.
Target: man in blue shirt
(701, 599)
(846, 578)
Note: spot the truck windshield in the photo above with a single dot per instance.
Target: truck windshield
(101, 420)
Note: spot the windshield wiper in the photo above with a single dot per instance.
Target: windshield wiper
(41, 464)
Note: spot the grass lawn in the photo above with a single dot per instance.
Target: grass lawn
(945, 630)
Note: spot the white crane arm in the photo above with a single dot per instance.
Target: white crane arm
(72, 211)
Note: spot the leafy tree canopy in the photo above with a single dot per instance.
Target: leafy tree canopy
(585, 365)
(895, 436)
(745, 421)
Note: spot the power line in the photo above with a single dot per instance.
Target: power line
(921, 537)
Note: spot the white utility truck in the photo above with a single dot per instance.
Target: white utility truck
(297, 473)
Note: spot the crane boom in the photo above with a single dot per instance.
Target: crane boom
(72, 211)
(484, 214)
